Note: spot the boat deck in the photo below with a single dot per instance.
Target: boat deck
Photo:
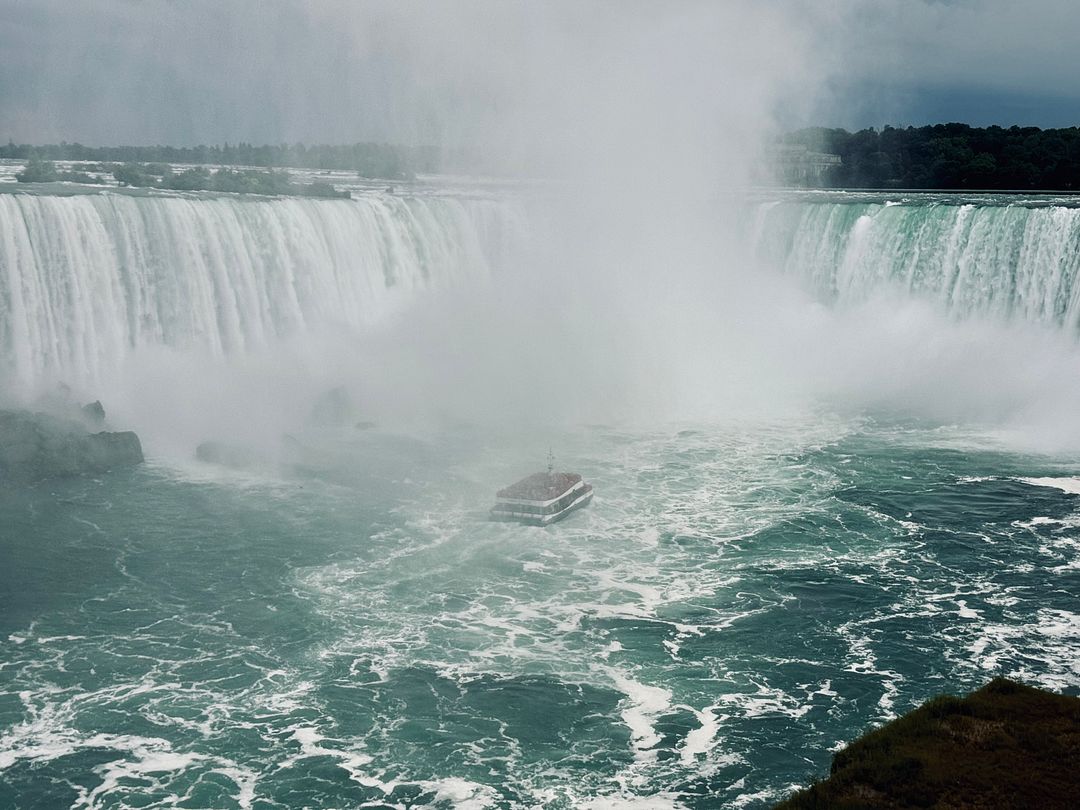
(542, 498)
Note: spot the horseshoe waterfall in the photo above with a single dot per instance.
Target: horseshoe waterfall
(864, 493)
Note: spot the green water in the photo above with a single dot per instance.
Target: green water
(1007, 256)
(736, 603)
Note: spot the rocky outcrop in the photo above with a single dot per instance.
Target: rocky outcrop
(94, 413)
(1005, 746)
(36, 446)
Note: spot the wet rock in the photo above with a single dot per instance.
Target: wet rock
(107, 449)
(94, 413)
(37, 446)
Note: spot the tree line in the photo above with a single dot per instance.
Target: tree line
(374, 160)
(942, 156)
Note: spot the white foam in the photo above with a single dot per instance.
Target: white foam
(651, 536)
(1043, 651)
(966, 612)
(147, 761)
(701, 740)
(612, 647)
(642, 706)
(245, 782)
(463, 794)
(353, 762)
(660, 801)
(1065, 484)
(762, 796)
(766, 702)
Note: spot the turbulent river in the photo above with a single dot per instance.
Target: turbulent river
(345, 629)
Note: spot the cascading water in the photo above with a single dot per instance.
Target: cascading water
(345, 628)
(87, 278)
(1016, 259)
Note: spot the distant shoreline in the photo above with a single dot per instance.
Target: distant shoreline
(940, 157)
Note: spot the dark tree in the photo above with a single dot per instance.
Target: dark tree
(942, 156)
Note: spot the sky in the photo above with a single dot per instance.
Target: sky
(982, 62)
(462, 73)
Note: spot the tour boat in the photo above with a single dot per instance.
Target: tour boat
(542, 498)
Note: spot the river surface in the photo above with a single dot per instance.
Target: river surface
(350, 631)
(340, 626)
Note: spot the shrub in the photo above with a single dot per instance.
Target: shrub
(37, 171)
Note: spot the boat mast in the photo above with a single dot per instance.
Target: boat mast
(551, 461)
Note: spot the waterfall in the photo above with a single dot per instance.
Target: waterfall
(88, 277)
(986, 257)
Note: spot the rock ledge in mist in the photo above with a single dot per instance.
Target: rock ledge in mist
(36, 446)
(1005, 746)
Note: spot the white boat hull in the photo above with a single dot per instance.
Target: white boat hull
(507, 512)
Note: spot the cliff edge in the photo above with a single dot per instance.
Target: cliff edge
(1005, 746)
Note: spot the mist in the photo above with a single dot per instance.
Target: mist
(630, 130)
(831, 435)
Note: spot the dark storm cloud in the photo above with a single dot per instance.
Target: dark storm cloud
(976, 61)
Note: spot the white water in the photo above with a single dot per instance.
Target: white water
(85, 280)
(993, 257)
(181, 311)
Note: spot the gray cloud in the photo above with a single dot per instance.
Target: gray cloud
(980, 61)
(124, 71)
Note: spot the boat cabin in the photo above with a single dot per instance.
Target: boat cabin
(542, 498)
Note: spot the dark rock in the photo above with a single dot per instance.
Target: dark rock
(106, 450)
(36, 446)
(94, 412)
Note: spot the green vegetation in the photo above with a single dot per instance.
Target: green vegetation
(38, 171)
(1006, 745)
(375, 160)
(197, 178)
(943, 156)
(43, 171)
(238, 181)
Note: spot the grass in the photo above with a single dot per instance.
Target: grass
(1005, 746)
